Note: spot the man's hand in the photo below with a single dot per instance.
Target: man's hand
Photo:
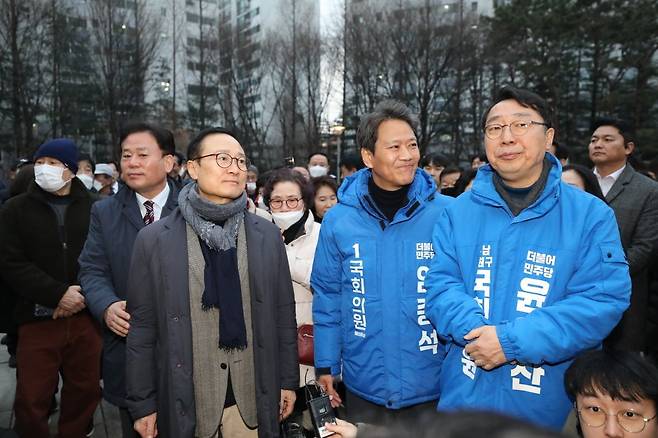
(343, 429)
(72, 301)
(286, 404)
(147, 427)
(327, 382)
(485, 349)
(116, 318)
(61, 313)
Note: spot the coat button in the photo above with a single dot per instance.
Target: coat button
(609, 255)
(389, 403)
(178, 365)
(175, 318)
(223, 366)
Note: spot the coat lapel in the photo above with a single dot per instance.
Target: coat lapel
(619, 185)
(172, 200)
(255, 255)
(130, 209)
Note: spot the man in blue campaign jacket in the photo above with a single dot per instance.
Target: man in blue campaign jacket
(368, 277)
(528, 273)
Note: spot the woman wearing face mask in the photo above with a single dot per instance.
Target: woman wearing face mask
(289, 196)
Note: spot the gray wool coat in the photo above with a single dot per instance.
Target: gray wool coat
(634, 199)
(159, 346)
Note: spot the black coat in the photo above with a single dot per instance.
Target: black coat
(36, 264)
(159, 346)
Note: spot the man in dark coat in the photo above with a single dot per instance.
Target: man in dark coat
(146, 158)
(41, 235)
(189, 372)
(634, 199)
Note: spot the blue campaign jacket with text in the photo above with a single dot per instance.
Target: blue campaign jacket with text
(553, 280)
(369, 296)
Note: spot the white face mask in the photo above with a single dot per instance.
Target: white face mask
(260, 203)
(286, 219)
(317, 171)
(50, 178)
(251, 187)
(98, 185)
(87, 180)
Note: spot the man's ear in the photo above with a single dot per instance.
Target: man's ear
(367, 157)
(192, 169)
(169, 162)
(550, 135)
(629, 148)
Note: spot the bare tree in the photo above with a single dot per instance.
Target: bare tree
(127, 40)
(23, 39)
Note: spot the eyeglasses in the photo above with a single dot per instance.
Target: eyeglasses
(518, 128)
(224, 160)
(278, 203)
(630, 421)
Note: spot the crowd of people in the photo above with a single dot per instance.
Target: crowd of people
(204, 298)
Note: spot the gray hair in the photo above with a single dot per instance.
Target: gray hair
(366, 135)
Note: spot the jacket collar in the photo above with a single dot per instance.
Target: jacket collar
(128, 200)
(354, 192)
(78, 190)
(484, 191)
(621, 183)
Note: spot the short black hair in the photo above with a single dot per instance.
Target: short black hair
(312, 154)
(366, 134)
(194, 147)
(324, 181)
(179, 157)
(163, 137)
(561, 151)
(622, 126)
(525, 98)
(285, 174)
(482, 157)
(352, 162)
(464, 180)
(622, 375)
(435, 159)
(86, 157)
(589, 179)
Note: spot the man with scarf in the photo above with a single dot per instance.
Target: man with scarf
(212, 348)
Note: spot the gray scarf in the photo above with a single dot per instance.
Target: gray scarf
(203, 216)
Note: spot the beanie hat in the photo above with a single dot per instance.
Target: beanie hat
(62, 149)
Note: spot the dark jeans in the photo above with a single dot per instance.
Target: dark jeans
(359, 410)
(71, 346)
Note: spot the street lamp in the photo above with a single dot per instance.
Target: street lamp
(337, 130)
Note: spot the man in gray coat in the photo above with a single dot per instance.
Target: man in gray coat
(634, 199)
(212, 346)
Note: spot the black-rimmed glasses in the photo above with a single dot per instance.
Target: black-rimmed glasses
(224, 160)
(517, 127)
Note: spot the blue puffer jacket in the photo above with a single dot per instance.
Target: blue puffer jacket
(369, 296)
(553, 280)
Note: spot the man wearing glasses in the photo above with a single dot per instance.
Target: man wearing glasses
(146, 159)
(528, 273)
(212, 349)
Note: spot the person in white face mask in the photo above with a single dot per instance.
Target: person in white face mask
(289, 197)
(318, 165)
(42, 233)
